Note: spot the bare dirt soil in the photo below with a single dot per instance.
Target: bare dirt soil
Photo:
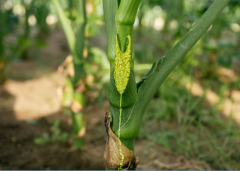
(29, 105)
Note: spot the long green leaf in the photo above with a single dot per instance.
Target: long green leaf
(167, 64)
(110, 8)
(66, 27)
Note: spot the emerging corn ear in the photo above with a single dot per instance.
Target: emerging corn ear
(122, 66)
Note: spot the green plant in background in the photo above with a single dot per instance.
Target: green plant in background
(127, 108)
(24, 40)
(41, 15)
(11, 20)
(76, 42)
(7, 25)
(2, 78)
(56, 135)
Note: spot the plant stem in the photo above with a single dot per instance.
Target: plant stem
(76, 47)
(79, 77)
(66, 27)
(124, 20)
(67, 92)
(135, 102)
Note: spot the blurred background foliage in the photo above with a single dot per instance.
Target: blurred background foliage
(196, 111)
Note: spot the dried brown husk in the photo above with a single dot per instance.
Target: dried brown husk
(112, 155)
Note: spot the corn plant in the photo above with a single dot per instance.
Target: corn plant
(128, 99)
(77, 83)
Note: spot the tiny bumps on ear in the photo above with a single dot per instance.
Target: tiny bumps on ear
(122, 66)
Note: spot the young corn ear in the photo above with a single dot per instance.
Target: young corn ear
(122, 66)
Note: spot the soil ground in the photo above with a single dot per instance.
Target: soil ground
(29, 105)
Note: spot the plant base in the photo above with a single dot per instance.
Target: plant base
(112, 155)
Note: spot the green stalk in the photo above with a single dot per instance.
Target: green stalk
(76, 46)
(66, 27)
(119, 25)
(136, 98)
(125, 17)
(79, 77)
(67, 92)
(71, 39)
